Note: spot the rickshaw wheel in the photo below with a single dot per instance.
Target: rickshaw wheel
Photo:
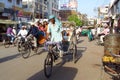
(73, 51)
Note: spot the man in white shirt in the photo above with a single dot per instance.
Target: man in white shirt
(23, 32)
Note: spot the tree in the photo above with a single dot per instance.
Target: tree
(75, 19)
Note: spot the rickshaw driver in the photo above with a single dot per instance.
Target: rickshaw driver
(33, 33)
(55, 32)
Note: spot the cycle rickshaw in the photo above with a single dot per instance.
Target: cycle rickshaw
(53, 50)
(111, 58)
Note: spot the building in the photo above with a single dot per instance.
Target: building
(65, 13)
(53, 7)
(103, 16)
(41, 9)
(35, 8)
(9, 9)
(73, 4)
(114, 11)
(68, 9)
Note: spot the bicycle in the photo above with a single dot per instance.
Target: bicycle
(7, 41)
(25, 47)
(20, 42)
(53, 54)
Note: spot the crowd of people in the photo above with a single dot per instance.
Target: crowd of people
(53, 29)
(48, 29)
(35, 30)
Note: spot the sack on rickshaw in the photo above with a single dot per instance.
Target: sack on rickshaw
(41, 39)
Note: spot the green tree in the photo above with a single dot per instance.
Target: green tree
(75, 19)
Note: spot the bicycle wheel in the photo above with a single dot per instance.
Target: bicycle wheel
(6, 43)
(25, 50)
(74, 51)
(48, 64)
(19, 47)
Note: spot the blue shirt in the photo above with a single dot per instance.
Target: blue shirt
(34, 31)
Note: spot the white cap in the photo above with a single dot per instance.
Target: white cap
(23, 26)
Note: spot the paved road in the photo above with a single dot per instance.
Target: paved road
(87, 67)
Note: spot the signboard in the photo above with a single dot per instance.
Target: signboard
(20, 13)
(5, 14)
(22, 19)
(1, 9)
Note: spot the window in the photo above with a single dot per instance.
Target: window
(9, 0)
(18, 1)
(54, 0)
(24, 6)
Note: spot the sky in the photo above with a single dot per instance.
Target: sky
(88, 6)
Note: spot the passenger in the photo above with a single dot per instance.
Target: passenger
(45, 25)
(33, 32)
(41, 29)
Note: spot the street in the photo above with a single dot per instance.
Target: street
(87, 67)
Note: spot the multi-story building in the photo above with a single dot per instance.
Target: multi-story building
(41, 9)
(36, 8)
(73, 4)
(103, 17)
(9, 9)
(68, 9)
(114, 11)
(53, 7)
(65, 13)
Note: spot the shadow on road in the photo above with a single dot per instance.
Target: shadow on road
(38, 53)
(69, 57)
(11, 57)
(80, 51)
(80, 41)
(61, 73)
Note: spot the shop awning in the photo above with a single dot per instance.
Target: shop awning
(8, 22)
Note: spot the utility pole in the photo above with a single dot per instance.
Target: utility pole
(14, 7)
(42, 9)
(33, 11)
